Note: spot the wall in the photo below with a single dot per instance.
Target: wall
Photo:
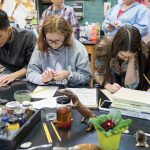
(93, 9)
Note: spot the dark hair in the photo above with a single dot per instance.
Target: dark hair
(103, 52)
(128, 38)
(4, 21)
(55, 24)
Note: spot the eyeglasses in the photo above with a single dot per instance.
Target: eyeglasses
(56, 42)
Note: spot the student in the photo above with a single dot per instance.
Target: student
(147, 73)
(16, 47)
(127, 63)
(59, 8)
(129, 12)
(58, 57)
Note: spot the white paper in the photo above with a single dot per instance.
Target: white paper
(49, 103)
(9, 6)
(88, 97)
(20, 15)
(129, 96)
(107, 94)
(44, 92)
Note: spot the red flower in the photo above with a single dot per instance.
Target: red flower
(108, 124)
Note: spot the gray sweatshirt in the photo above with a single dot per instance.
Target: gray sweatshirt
(74, 59)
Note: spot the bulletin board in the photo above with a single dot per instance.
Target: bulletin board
(28, 4)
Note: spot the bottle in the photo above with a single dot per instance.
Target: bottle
(3, 131)
(13, 126)
(63, 112)
(20, 114)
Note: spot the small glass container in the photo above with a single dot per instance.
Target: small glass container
(20, 114)
(22, 95)
(3, 131)
(63, 112)
(13, 126)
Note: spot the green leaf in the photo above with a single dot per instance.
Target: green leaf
(108, 133)
(116, 116)
(121, 125)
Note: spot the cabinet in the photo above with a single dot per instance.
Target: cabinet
(91, 52)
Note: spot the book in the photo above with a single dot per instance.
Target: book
(130, 113)
(129, 96)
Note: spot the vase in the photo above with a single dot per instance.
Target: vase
(110, 142)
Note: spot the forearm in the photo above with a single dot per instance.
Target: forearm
(131, 72)
(80, 78)
(99, 79)
(20, 73)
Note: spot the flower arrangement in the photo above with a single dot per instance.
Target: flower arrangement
(111, 123)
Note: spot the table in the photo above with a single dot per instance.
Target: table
(77, 134)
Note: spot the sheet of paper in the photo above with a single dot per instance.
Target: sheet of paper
(9, 6)
(86, 96)
(44, 92)
(50, 103)
(107, 94)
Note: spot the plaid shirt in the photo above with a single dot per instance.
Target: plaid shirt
(67, 12)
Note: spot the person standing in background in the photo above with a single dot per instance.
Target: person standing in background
(145, 2)
(59, 8)
(16, 47)
(129, 12)
(58, 57)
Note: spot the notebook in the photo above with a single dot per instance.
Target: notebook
(129, 96)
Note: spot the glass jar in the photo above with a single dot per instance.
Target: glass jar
(20, 114)
(3, 131)
(63, 112)
(13, 126)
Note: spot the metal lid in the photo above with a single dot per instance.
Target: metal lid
(3, 101)
(2, 125)
(63, 100)
(13, 120)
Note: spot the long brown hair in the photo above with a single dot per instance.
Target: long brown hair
(103, 52)
(55, 24)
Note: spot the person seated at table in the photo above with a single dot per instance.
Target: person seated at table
(58, 57)
(148, 70)
(126, 61)
(16, 47)
(59, 8)
(128, 12)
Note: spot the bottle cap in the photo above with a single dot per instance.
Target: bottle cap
(2, 125)
(13, 120)
(63, 100)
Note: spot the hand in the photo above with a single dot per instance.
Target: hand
(47, 75)
(6, 79)
(110, 27)
(148, 90)
(112, 87)
(61, 75)
(117, 24)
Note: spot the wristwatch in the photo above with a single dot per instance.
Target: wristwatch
(70, 76)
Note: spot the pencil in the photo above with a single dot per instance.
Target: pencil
(47, 133)
(99, 103)
(55, 131)
(40, 90)
(146, 78)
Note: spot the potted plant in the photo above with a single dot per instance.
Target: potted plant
(109, 129)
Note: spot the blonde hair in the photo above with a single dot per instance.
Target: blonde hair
(55, 24)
